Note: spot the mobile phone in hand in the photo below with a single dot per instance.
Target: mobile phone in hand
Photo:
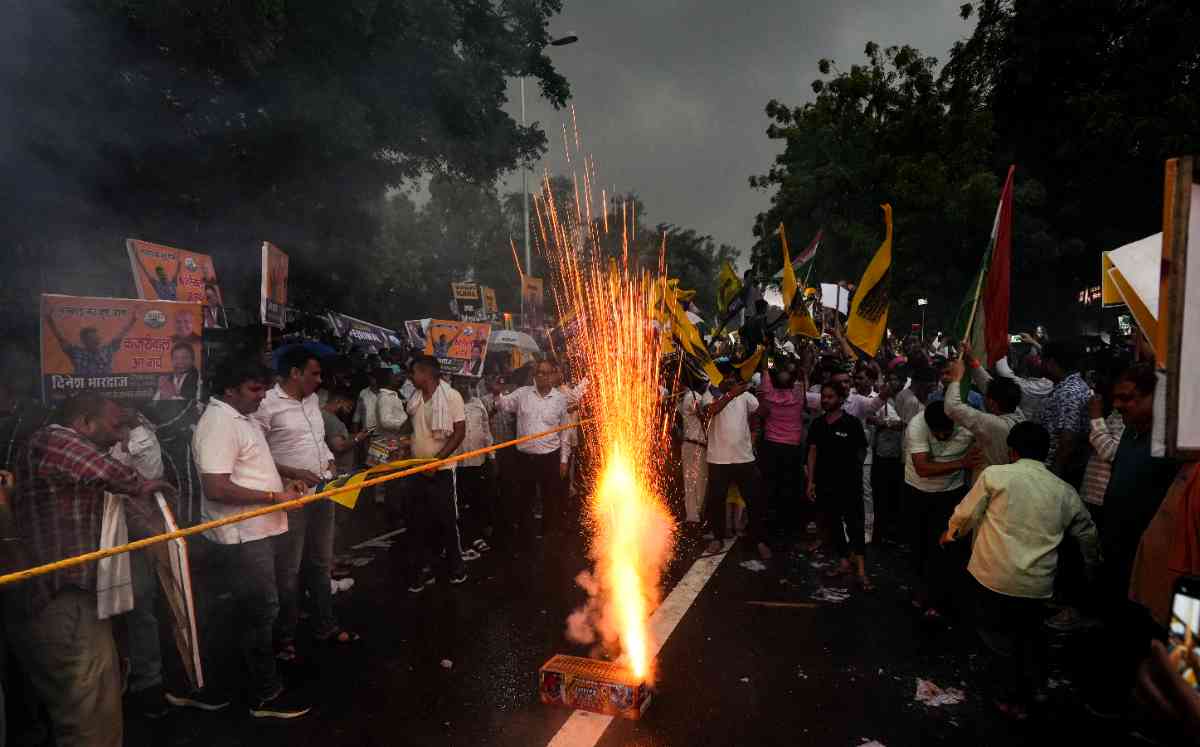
(1183, 632)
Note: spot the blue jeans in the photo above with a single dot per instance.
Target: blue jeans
(247, 571)
(304, 554)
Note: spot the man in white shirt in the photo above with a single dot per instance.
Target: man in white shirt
(863, 403)
(142, 451)
(541, 463)
(473, 478)
(238, 474)
(366, 411)
(730, 457)
(693, 450)
(290, 415)
(935, 450)
(1020, 513)
(439, 423)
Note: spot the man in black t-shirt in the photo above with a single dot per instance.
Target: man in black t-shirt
(836, 447)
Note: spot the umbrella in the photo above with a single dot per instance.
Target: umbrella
(506, 339)
(318, 349)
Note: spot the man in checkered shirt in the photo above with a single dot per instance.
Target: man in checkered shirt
(67, 650)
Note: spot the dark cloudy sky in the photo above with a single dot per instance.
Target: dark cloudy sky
(670, 93)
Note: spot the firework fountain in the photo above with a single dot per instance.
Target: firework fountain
(609, 298)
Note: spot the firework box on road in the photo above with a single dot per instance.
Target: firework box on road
(593, 685)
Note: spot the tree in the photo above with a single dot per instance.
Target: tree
(1086, 98)
(1089, 97)
(887, 131)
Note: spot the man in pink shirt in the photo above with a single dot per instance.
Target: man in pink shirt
(782, 403)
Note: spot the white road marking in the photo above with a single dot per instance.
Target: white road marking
(583, 728)
(378, 542)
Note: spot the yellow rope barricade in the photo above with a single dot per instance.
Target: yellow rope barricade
(58, 565)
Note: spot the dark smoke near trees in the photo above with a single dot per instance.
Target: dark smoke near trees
(214, 126)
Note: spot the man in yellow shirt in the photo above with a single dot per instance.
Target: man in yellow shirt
(1020, 513)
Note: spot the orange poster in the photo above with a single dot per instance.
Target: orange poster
(460, 347)
(165, 273)
(124, 348)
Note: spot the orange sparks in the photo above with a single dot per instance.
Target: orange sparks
(614, 344)
(517, 262)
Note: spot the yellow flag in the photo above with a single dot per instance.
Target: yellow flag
(350, 497)
(680, 295)
(800, 321)
(747, 367)
(729, 286)
(691, 344)
(869, 310)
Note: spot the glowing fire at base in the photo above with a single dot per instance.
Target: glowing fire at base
(610, 302)
(626, 517)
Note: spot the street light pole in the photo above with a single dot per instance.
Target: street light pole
(525, 185)
(561, 41)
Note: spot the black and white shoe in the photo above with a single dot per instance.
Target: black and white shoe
(460, 578)
(282, 706)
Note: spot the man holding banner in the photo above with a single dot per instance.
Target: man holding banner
(60, 624)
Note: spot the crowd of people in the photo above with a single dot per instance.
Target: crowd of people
(1026, 494)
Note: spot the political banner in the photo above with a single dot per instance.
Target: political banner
(532, 304)
(274, 285)
(363, 333)
(123, 348)
(490, 307)
(467, 304)
(460, 347)
(164, 273)
(465, 291)
(416, 330)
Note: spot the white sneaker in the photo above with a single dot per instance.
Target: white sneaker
(470, 554)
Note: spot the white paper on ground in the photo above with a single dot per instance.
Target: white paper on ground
(932, 695)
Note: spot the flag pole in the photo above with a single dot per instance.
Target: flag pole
(970, 320)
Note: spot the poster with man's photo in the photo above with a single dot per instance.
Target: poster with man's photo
(532, 303)
(127, 349)
(164, 273)
(274, 286)
(460, 347)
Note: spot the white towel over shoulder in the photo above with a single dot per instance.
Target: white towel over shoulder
(439, 412)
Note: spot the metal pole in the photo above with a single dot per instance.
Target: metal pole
(923, 307)
(525, 187)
